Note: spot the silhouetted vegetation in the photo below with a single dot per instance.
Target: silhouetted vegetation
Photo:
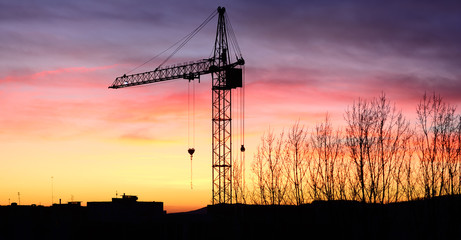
(378, 157)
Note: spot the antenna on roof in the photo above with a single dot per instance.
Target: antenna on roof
(52, 191)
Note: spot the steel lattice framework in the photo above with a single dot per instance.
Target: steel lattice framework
(225, 77)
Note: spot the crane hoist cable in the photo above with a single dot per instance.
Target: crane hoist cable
(241, 133)
(242, 107)
(242, 148)
(191, 101)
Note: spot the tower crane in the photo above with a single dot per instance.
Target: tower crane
(226, 75)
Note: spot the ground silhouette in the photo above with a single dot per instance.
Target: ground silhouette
(436, 218)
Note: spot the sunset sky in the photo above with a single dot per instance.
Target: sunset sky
(65, 135)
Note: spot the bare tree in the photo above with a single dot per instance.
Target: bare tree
(297, 156)
(342, 174)
(436, 147)
(257, 168)
(359, 141)
(378, 158)
(409, 173)
(377, 136)
(393, 134)
(457, 158)
(327, 156)
(268, 167)
(238, 183)
(451, 147)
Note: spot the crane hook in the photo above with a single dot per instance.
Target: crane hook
(191, 151)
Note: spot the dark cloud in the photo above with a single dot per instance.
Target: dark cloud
(412, 86)
(330, 40)
(49, 11)
(43, 35)
(417, 29)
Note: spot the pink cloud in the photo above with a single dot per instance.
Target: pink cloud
(73, 77)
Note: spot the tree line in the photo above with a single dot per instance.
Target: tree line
(378, 156)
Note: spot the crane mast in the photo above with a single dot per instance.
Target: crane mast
(225, 76)
(222, 120)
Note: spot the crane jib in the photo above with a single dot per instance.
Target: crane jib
(190, 70)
